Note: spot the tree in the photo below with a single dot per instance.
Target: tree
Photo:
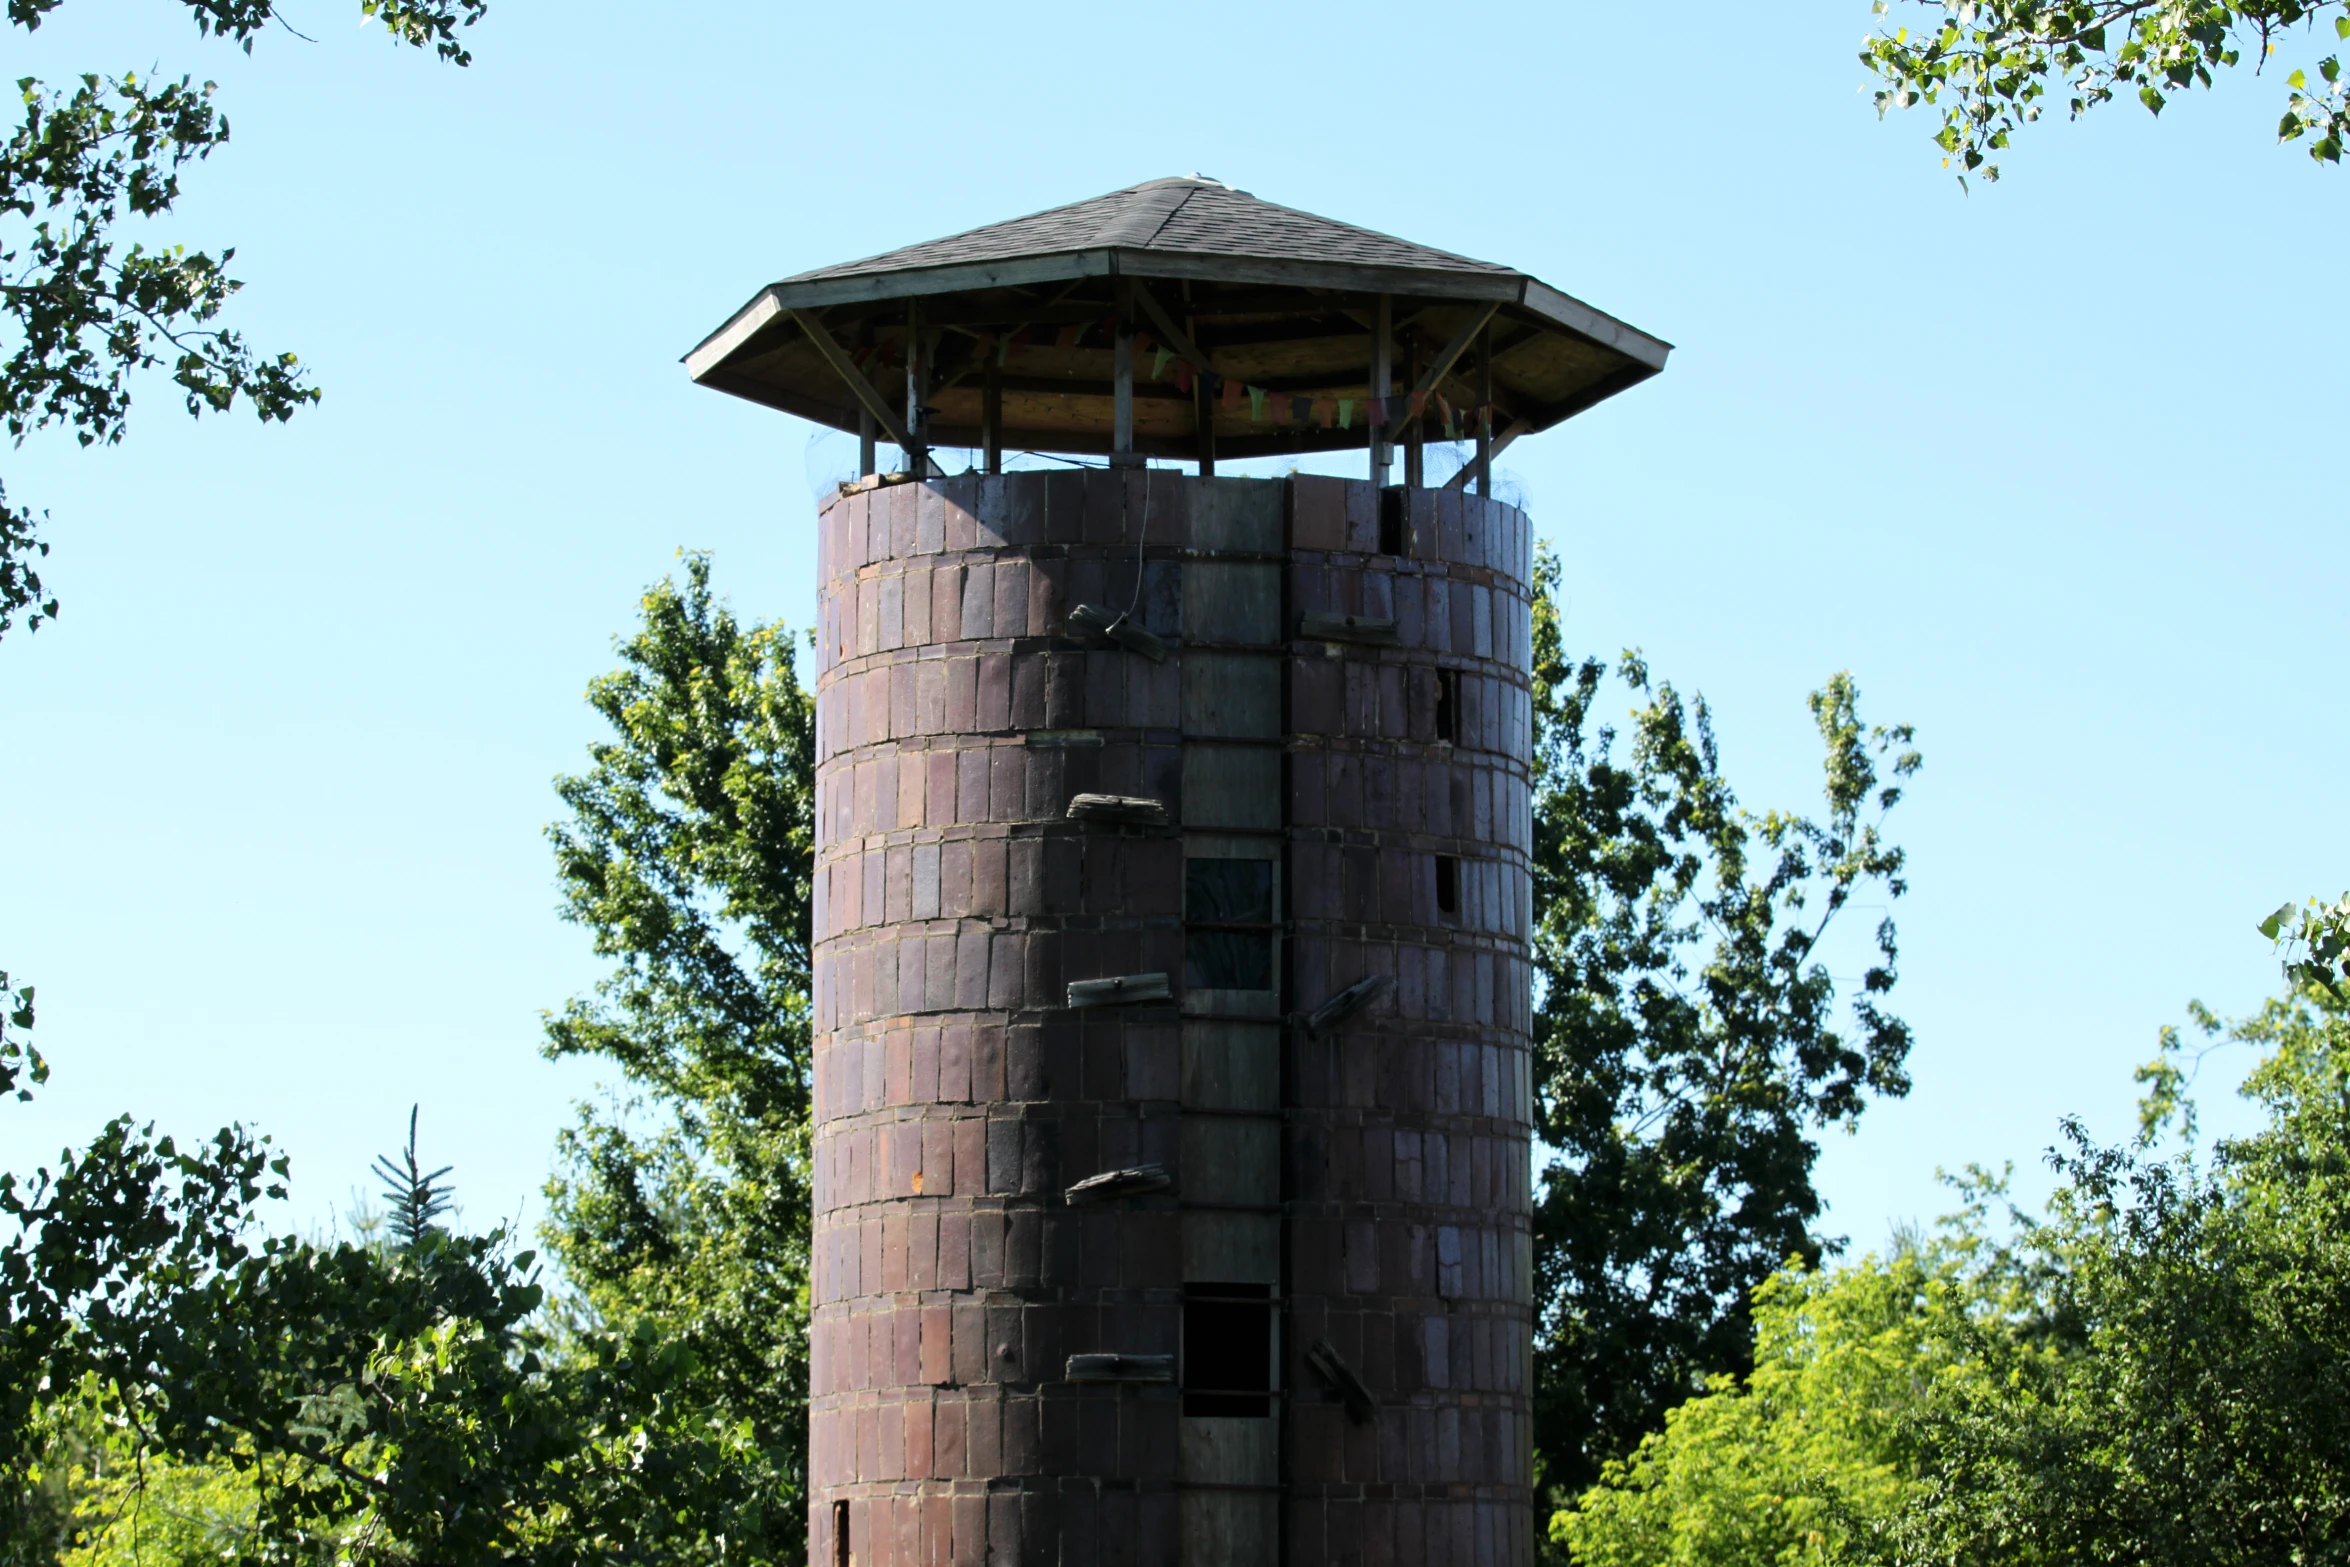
(1688, 1040)
(2196, 1417)
(690, 855)
(2153, 1372)
(387, 1401)
(1989, 66)
(81, 312)
(1814, 1451)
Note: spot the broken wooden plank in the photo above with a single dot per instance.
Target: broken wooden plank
(1348, 628)
(1131, 1182)
(1113, 1367)
(1354, 998)
(1124, 810)
(1123, 990)
(1361, 1407)
(1119, 628)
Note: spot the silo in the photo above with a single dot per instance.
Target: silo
(1172, 993)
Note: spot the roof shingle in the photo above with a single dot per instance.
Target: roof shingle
(1190, 214)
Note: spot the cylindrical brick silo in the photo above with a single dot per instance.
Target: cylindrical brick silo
(1337, 736)
(1172, 997)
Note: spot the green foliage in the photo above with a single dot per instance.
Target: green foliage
(354, 1402)
(1812, 1455)
(2153, 1373)
(82, 312)
(2196, 1417)
(689, 854)
(415, 1196)
(1990, 65)
(1688, 1037)
(2320, 934)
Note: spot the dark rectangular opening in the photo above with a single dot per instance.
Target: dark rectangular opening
(1228, 920)
(1448, 704)
(1228, 1350)
(1448, 884)
(840, 1535)
(1393, 506)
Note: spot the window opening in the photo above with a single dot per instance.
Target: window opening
(1228, 1350)
(1448, 704)
(1392, 504)
(1228, 915)
(840, 1535)
(1448, 884)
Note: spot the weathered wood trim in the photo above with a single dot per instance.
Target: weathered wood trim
(713, 350)
(1601, 328)
(1351, 278)
(966, 277)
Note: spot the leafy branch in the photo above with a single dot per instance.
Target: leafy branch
(1990, 66)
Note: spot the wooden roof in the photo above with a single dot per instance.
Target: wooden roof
(1272, 298)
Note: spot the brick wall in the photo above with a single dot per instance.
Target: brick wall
(1374, 1178)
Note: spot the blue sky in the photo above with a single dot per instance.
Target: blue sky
(2053, 468)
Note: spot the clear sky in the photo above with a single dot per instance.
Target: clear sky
(2046, 466)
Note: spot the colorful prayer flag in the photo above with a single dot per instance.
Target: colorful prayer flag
(1229, 392)
(1346, 413)
(1256, 405)
(1183, 377)
(1159, 362)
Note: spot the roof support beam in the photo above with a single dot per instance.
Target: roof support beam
(1460, 480)
(1442, 365)
(846, 368)
(1175, 336)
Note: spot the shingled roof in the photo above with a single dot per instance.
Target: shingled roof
(1190, 214)
(1277, 299)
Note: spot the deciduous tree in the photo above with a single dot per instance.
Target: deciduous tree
(1690, 1040)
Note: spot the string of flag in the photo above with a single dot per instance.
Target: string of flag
(1265, 404)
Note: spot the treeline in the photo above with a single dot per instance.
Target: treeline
(2155, 1370)
(179, 1386)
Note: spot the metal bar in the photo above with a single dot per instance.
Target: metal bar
(846, 368)
(1442, 365)
(866, 460)
(1382, 382)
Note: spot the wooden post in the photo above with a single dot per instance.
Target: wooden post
(865, 443)
(1382, 383)
(1415, 436)
(1203, 404)
(1485, 413)
(1122, 453)
(917, 378)
(991, 412)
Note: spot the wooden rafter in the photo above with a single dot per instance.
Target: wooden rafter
(1460, 480)
(838, 357)
(1444, 361)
